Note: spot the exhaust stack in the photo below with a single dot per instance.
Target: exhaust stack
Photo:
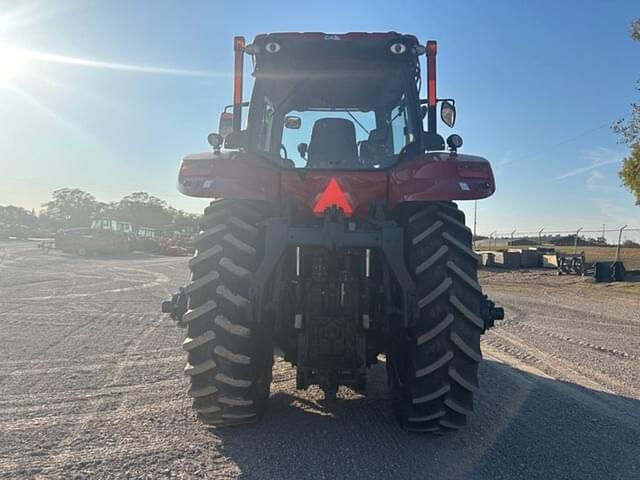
(238, 48)
(432, 99)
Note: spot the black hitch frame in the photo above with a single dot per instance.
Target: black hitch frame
(335, 233)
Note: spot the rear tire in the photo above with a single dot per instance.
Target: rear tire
(229, 358)
(433, 367)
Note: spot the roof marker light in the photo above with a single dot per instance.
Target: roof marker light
(272, 47)
(398, 48)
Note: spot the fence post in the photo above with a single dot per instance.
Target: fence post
(575, 250)
(618, 247)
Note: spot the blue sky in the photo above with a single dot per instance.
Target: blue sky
(536, 83)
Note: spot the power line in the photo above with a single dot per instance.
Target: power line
(563, 142)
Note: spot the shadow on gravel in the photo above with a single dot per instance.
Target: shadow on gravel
(524, 426)
(104, 257)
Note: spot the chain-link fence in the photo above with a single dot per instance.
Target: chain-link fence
(603, 244)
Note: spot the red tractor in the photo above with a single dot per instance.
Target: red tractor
(333, 236)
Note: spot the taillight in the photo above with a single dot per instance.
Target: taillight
(196, 168)
(474, 170)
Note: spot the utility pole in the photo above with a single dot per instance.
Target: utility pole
(604, 239)
(490, 236)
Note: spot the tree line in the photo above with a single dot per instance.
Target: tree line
(72, 207)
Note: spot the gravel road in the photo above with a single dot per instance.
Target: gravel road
(91, 387)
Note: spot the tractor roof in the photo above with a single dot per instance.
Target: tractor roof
(298, 49)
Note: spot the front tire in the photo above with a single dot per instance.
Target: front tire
(433, 367)
(229, 358)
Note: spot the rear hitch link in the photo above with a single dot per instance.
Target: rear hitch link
(490, 313)
(177, 306)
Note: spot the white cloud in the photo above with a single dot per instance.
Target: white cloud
(594, 181)
(597, 158)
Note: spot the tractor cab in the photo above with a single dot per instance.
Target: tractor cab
(337, 101)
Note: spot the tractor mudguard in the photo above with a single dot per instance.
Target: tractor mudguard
(438, 176)
(229, 174)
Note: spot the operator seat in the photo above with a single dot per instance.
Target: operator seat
(333, 144)
(374, 150)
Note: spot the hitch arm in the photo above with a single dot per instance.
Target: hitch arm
(490, 313)
(177, 306)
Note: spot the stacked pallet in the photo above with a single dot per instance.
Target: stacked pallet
(513, 258)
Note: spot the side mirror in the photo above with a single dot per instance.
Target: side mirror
(225, 126)
(237, 139)
(292, 122)
(448, 113)
(302, 149)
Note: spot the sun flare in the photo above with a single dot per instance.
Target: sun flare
(12, 63)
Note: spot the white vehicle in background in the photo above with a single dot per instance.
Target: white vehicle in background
(113, 225)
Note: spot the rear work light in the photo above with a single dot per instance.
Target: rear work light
(332, 195)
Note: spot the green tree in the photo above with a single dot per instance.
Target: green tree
(183, 220)
(630, 173)
(144, 210)
(17, 216)
(629, 131)
(71, 207)
(635, 29)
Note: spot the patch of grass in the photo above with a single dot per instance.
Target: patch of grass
(630, 256)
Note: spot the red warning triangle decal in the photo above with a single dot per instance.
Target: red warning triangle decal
(332, 195)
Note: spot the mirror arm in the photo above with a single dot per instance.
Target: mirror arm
(424, 101)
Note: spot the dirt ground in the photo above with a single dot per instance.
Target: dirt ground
(92, 387)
